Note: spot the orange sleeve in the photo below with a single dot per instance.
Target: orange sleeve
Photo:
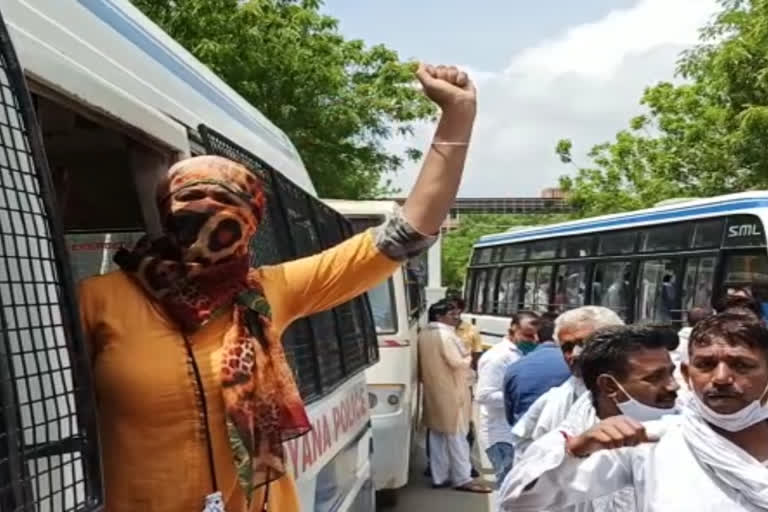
(89, 312)
(320, 282)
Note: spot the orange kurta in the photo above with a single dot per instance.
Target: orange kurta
(153, 438)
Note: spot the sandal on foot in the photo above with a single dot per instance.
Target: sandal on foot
(474, 487)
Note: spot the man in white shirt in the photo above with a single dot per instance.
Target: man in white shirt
(572, 328)
(494, 431)
(713, 458)
(627, 370)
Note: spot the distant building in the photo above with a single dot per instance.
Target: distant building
(552, 193)
(551, 201)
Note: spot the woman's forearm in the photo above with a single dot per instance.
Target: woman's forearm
(435, 189)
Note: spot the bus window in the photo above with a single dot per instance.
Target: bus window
(746, 268)
(483, 256)
(508, 297)
(537, 284)
(578, 247)
(657, 300)
(665, 238)
(478, 290)
(544, 250)
(708, 234)
(570, 286)
(699, 281)
(617, 243)
(514, 253)
(383, 306)
(490, 292)
(611, 286)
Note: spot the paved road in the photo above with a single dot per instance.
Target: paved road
(419, 496)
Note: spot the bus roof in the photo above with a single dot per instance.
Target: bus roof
(699, 208)
(348, 207)
(105, 54)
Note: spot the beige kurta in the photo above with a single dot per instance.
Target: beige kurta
(445, 371)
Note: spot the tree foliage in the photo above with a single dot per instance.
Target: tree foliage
(336, 99)
(457, 244)
(706, 136)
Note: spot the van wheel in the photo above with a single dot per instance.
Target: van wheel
(386, 498)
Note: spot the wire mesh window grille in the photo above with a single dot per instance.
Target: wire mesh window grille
(48, 443)
(328, 347)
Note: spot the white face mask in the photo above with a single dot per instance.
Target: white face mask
(639, 411)
(577, 350)
(737, 421)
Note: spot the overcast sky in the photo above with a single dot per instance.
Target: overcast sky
(545, 70)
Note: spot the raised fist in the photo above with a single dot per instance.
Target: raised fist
(447, 86)
(614, 432)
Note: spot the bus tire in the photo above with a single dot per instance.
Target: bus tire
(386, 498)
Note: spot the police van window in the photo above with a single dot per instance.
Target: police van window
(91, 168)
(383, 307)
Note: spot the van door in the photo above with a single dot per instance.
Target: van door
(49, 450)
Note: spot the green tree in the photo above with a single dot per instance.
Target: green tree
(704, 137)
(336, 99)
(457, 244)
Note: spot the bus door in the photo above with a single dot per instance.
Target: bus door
(49, 450)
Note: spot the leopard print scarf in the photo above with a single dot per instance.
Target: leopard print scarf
(212, 207)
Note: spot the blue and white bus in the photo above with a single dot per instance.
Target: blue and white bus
(649, 265)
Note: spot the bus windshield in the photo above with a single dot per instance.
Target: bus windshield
(383, 306)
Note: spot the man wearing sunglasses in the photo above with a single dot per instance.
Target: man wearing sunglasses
(572, 328)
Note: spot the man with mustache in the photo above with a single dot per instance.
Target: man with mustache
(714, 457)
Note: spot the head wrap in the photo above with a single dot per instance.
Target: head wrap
(211, 207)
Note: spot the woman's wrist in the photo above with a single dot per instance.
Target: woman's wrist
(455, 125)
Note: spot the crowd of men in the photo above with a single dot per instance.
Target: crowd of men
(582, 413)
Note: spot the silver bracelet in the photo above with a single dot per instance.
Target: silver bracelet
(442, 143)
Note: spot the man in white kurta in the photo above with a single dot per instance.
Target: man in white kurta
(572, 329)
(445, 375)
(712, 458)
(627, 370)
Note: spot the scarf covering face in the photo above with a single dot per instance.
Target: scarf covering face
(212, 208)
